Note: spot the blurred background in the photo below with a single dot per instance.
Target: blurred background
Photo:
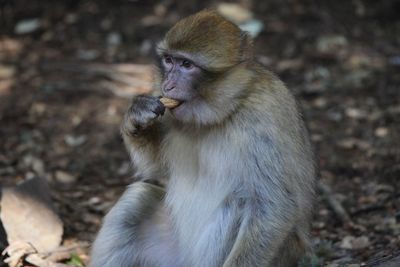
(69, 68)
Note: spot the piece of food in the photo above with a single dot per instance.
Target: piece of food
(169, 102)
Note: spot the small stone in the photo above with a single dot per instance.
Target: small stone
(76, 120)
(37, 109)
(71, 18)
(6, 86)
(318, 225)
(94, 201)
(146, 47)
(316, 137)
(106, 24)
(27, 26)
(323, 212)
(317, 74)
(395, 60)
(89, 54)
(47, 36)
(64, 177)
(355, 113)
(112, 110)
(334, 115)
(38, 166)
(330, 44)
(27, 160)
(381, 132)
(266, 61)
(289, 64)
(75, 141)
(357, 78)
(6, 71)
(253, 27)
(352, 143)
(114, 39)
(358, 60)
(234, 12)
(320, 102)
(124, 168)
(91, 218)
(160, 10)
(354, 243)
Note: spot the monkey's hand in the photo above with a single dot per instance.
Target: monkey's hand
(141, 114)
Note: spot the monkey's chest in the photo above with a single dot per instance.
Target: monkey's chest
(202, 221)
(203, 174)
(201, 217)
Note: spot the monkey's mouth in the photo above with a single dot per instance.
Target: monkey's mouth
(169, 102)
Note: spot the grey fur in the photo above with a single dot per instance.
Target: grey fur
(240, 181)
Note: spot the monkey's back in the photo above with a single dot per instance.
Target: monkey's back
(286, 135)
(285, 131)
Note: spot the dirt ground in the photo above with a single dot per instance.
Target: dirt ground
(61, 106)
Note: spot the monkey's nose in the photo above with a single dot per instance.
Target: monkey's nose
(169, 88)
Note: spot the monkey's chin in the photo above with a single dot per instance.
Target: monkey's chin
(181, 111)
(194, 111)
(185, 112)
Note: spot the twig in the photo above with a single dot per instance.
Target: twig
(64, 252)
(334, 203)
(368, 208)
(386, 261)
(36, 260)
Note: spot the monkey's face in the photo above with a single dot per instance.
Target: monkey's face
(201, 66)
(180, 79)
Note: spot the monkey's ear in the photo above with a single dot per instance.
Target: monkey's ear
(246, 46)
(161, 48)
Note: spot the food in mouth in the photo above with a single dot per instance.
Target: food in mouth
(169, 102)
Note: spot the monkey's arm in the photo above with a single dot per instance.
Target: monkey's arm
(142, 132)
(144, 151)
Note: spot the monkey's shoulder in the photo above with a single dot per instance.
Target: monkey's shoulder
(267, 81)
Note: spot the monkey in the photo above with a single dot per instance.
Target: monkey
(236, 154)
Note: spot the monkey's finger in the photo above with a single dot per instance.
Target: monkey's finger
(160, 109)
(169, 102)
(146, 103)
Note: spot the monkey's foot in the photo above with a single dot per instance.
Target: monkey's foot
(17, 252)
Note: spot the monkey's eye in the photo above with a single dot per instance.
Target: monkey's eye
(187, 64)
(167, 60)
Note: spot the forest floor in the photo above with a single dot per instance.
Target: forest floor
(60, 106)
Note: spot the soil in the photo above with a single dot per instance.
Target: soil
(60, 116)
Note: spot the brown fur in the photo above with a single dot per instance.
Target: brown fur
(191, 36)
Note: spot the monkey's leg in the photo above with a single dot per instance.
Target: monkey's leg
(119, 242)
(293, 249)
(263, 230)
